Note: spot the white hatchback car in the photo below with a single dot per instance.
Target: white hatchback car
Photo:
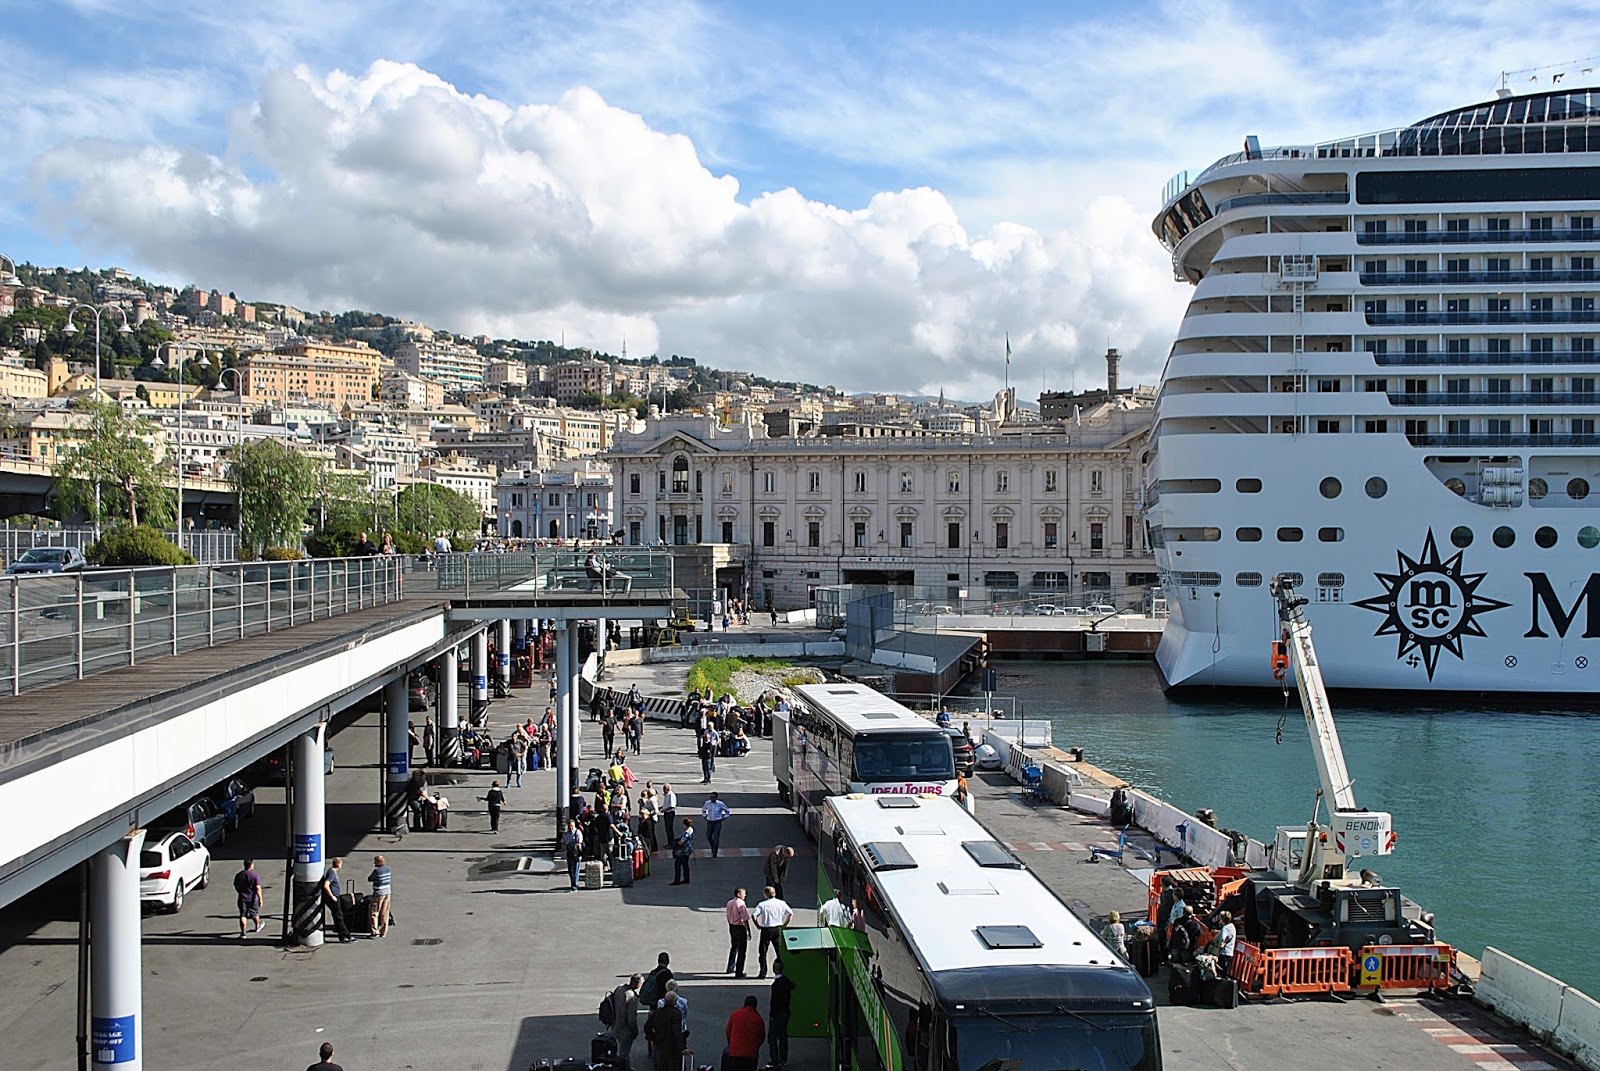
(1101, 608)
(170, 867)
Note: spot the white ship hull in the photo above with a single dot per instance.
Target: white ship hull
(1386, 383)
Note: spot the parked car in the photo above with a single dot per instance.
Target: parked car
(1074, 611)
(169, 867)
(420, 689)
(1047, 609)
(48, 560)
(1101, 609)
(966, 754)
(269, 769)
(235, 799)
(200, 820)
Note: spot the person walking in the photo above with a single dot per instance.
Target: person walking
(715, 812)
(519, 757)
(608, 732)
(572, 845)
(378, 906)
(625, 1018)
(707, 751)
(778, 1016)
(1116, 934)
(325, 1059)
(745, 1033)
(331, 893)
(669, 810)
(247, 883)
(496, 799)
(636, 732)
(738, 913)
(682, 852)
(775, 867)
(771, 915)
(429, 741)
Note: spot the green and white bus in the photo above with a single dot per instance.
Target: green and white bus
(974, 964)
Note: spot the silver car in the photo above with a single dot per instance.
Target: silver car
(48, 560)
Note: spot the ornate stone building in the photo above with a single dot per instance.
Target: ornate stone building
(1047, 512)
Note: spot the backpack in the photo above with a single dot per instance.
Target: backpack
(608, 1011)
(650, 991)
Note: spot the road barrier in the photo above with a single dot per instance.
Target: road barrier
(1292, 972)
(1427, 967)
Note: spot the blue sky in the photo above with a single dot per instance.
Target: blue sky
(869, 195)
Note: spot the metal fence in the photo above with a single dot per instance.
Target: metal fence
(67, 626)
(206, 544)
(635, 572)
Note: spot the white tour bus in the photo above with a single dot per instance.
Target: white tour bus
(974, 964)
(847, 738)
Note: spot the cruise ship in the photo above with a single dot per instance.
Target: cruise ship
(1384, 385)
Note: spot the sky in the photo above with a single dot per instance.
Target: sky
(872, 195)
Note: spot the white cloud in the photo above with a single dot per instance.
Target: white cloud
(392, 190)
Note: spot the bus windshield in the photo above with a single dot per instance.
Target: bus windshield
(911, 756)
(1053, 1043)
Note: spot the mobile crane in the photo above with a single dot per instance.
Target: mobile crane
(1309, 897)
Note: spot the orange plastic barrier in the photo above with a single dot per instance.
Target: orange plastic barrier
(1246, 968)
(1298, 971)
(1427, 967)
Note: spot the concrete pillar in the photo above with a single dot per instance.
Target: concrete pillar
(563, 751)
(449, 716)
(396, 753)
(480, 674)
(502, 650)
(310, 820)
(574, 700)
(519, 632)
(116, 1035)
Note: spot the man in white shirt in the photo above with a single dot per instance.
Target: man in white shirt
(1226, 939)
(442, 544)
(715, 812)
(833, 913)
(771, 916)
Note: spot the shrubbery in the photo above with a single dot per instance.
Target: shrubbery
(125, 546)
(280, 554)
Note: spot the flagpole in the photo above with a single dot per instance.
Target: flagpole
(1008, 363)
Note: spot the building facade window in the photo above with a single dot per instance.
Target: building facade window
(633, 483)
(1051, 535)
(813, 481)
(1002, 480)
(953, 482)
(953, 535)
(1097, 535)
(861, 483)
(813, 534)
(769, 481)
(1050, 481)
(680, 475)
(1002, 535)
(769, 533)
(907, 538)
(907, 482)
(860, 533)
(1097, 481)
(727, 531)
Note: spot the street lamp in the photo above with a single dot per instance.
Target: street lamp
(159, 363)
(238, 443)
(72, 329)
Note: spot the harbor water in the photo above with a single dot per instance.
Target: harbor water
(1497, 809)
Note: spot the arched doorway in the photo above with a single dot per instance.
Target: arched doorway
(516, 529)
(555, 528)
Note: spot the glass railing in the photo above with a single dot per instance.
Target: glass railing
(580, 572)
(1474, 278)
(1480, 317)
(1508, 359)
(1543, 234)
(1476, 398)
(1490, 439)
(1245, 200)
(67, 626)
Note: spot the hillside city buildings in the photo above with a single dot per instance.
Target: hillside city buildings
(800, 487)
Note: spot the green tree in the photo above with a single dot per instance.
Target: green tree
(277, 486)
(116, 452)
(428, 509)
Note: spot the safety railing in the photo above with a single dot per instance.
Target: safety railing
(632, 573)
(67, 626)
(1304, 971)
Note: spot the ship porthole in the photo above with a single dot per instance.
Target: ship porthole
(1377, 487)
(1455, 486)
(1504, 537)
(1577, 488)
(1545, 537)
(1330, 487)
(1588, 537)
(1537, 488)
(1461, 536)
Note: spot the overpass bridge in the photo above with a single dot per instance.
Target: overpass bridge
(125, 693)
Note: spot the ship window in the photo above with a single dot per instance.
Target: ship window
(1290, 535)
(1330, 580)
(1537, 488)
(1330, 487)
(1377, 487)
(1577, 488)
(1461, 536)
(1545, 537)
(1455, 486)
(1588, 537)
(1252, 580)
(1248, 535)
(1331, 535)
(1248, 486)
(1294, 580)
(1504, 537)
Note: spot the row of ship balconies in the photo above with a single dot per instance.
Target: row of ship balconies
(1216, 404)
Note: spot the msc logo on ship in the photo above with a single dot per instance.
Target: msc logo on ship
(1430, 604)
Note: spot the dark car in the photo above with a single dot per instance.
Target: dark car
(48, 560)
(235, 799)
(199, 819)
(966, 754)
(269, 770)
(420, 690)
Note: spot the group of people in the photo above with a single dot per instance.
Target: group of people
(666, 1025)
(1186, 938)
(337, 901)
(604, 827)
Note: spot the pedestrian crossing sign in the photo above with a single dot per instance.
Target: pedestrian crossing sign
(1371, 970)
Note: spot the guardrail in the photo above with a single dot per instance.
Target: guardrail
(67, 626)
(208, 545)
(635, 572)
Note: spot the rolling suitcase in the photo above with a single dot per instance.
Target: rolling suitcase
(641, 864)
(602, 1050)
(622, 872)
(431, 820)
(593, 874)
(1183, 983)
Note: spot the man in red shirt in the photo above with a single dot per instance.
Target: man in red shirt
(745, 1033)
